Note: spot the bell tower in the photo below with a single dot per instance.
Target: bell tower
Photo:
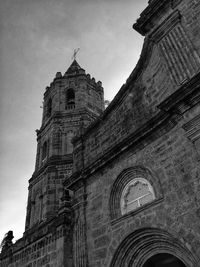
(72, 101)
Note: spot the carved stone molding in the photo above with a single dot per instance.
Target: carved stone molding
(176, 48)
(165, 27)
(152, 14)
(192, 129)
(138, 246)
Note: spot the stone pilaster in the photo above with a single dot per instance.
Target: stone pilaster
(79, 238)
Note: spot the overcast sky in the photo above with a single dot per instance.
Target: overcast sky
(37, 40)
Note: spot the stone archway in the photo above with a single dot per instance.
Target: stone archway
(164, 260)
(144, 244)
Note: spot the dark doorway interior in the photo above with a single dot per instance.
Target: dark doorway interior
(163, 260)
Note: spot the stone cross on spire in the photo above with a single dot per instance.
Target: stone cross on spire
(75, 53)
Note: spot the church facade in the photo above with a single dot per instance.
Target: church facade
(120, 186)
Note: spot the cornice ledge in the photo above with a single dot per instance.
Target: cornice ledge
(166, 26)
(145, 17)
(184, 98)
(136, 211)
(44, 229)
(144, 23)
(76, 179)
(52, 162)
(60, 115)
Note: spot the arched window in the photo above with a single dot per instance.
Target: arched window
(136, 193)
(49, 107)
(44, 150)
(132, 189)
(70, 99)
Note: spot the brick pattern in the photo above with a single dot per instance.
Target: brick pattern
(44, 252)
(174, 161)
(169, 158)
(181, 58)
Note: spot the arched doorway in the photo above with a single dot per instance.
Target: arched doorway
(163, 260)
(147, 246)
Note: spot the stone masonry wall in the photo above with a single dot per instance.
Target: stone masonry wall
(45, 194)
(174, 162)
(46, 251)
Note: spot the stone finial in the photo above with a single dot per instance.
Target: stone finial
(58, 75)
(88, 76)
(7, 241)
(99, 83)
